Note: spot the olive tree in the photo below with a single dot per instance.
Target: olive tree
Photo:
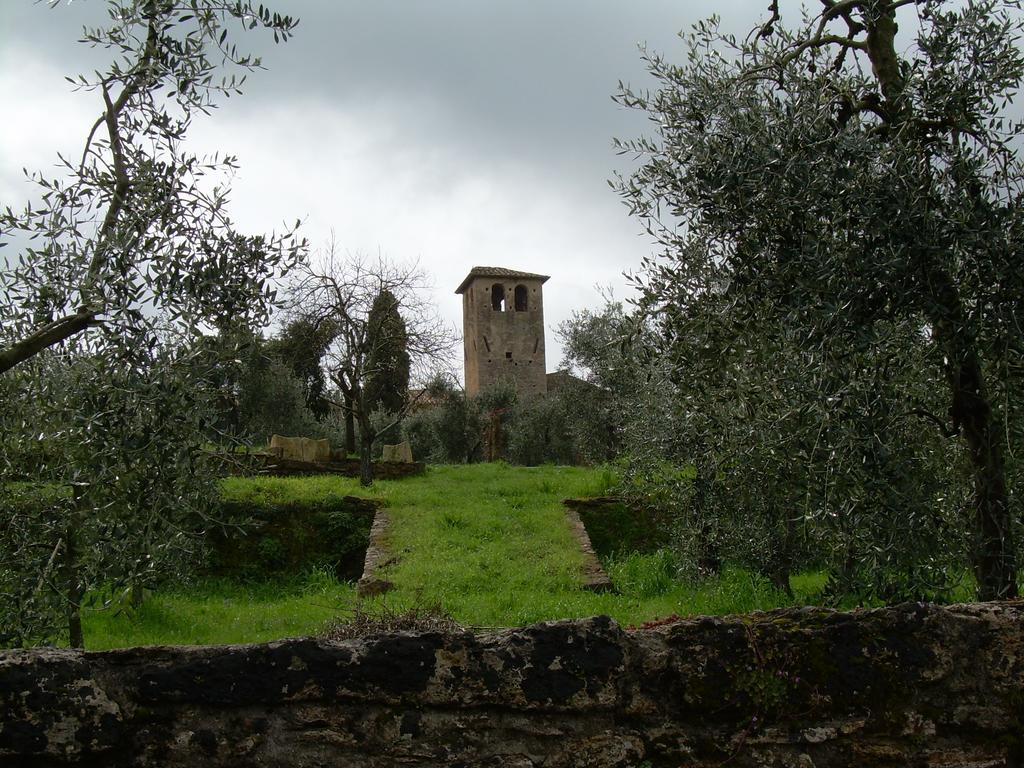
(446, 426)
(833, 184)
(301, 345)
(605, 348)
(116, 501)
(133, 222)
(798, 466)
(130, 252)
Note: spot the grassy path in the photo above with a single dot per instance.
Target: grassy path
(488, 543)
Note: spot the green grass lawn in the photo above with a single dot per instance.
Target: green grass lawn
(488, 543)
(215, 612)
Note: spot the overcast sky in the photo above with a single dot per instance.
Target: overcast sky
(455, 132)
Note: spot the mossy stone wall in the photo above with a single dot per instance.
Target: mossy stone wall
(912, 685)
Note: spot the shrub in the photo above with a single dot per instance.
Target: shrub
(644, 575)
(539, 433)
(386, 621)
(421, 431)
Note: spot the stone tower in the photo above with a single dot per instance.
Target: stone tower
(503, 326)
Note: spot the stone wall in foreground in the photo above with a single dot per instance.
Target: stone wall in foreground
(911, 685)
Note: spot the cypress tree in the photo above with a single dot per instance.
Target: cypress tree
(387, 360)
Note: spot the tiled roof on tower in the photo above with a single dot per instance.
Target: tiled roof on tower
(476, 272)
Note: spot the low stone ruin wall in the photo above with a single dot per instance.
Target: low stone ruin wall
(269, 464)
(382, 470)
(910, 685)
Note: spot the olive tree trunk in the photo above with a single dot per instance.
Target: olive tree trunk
(780, 565)
(995, 560)
(70, 576)
(994, 555)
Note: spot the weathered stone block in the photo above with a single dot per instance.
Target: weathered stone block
(301, 449)
(370, 583)
(398, 454)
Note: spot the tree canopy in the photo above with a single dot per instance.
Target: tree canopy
(387, 362)
(301, 345)
(840, 207)
(130, 252)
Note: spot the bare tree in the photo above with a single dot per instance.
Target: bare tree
(341, 288)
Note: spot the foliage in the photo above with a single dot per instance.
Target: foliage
(722, 453)
(387, 362)
(269, 386)
(271, 400)
(448, 428)
(593, 420)
(839, 262)
(130, 251)
(301, 346)
(495, 424)
(258, 393)
(495, 405)
(460, 428)
(269, 397)
(599, 345)
(420, 429)
(127, 488)
(539, 433)
(364, 360)
(607, 349)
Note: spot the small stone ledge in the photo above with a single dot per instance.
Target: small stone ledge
(910, 685)
(370, 583)
(594, 577)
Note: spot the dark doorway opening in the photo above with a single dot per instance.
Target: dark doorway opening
(521, 298)
(498, 297)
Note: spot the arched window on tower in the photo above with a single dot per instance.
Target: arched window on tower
(521, 298)
(498, 297)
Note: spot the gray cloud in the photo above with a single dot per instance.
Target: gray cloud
(458, 132)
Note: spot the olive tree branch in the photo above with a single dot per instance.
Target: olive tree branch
(46, 336)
